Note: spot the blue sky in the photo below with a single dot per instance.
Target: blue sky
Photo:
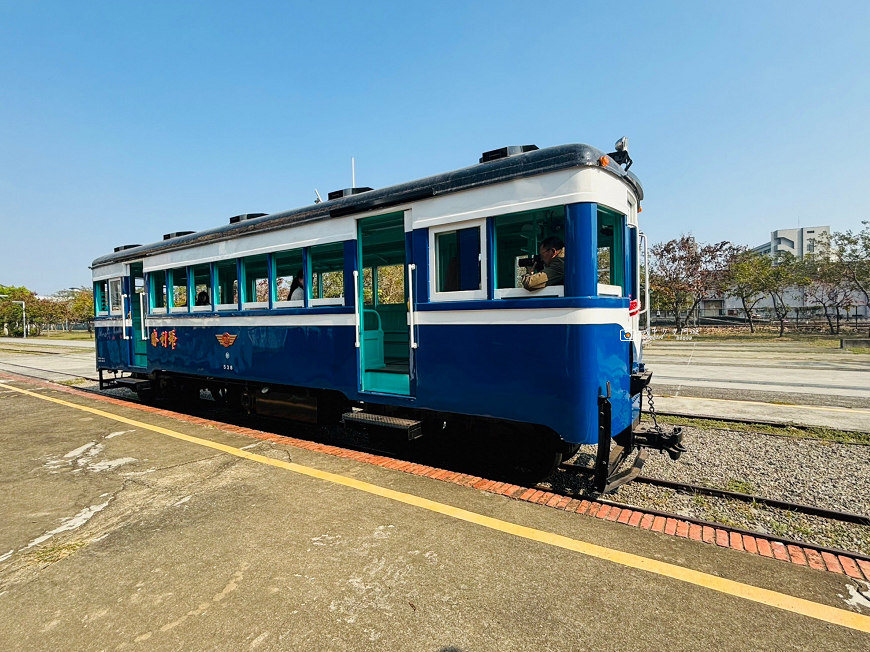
(123, 121)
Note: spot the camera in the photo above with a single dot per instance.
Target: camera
(535, 261)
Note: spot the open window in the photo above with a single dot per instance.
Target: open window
(518, 236)
(201, 287)
(289, 289)
(255, 282)
(611, 253)
(458, 262)
(101, 298)
(326, 274)
(115, 301)
(178, 295)
(159, 299)
(226, 285)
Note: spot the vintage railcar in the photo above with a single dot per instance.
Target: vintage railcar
(410, 314)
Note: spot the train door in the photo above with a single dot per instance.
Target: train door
(136, 317)
(384, 333)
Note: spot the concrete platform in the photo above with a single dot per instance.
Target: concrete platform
(785, 382)
(115, 536)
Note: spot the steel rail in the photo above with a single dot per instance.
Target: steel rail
(685, 487)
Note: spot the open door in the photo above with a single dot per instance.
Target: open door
(136, 317)
(385, 335)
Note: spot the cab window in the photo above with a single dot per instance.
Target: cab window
(611, 252)
(101, 297)
(517, 239)
(458, 262)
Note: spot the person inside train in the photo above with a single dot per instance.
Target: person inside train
(550, 269)
(297, 287)
(202, 299)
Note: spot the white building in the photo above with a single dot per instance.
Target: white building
(798, 242)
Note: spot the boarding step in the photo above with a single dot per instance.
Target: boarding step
(366, 421)
(134, 384)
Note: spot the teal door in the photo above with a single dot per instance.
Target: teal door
(385, 348)
(138, 344)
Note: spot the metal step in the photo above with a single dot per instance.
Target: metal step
(366, 421)
(134, 384)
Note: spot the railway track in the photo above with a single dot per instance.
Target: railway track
(220, 414)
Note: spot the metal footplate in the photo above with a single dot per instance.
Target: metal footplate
(368, 422)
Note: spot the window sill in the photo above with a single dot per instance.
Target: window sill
(158, 311)
(609, 290)
(201, 308)
(332, 301)
(298, 303)
(179, 309)
(227, 306)
(522, 293)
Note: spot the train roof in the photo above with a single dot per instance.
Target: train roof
(539, 161)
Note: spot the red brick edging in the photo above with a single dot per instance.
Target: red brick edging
(756, 545)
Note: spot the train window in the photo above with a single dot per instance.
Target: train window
(227, 286)
(518, 237)
(201, 287)
(158, 291)
(115, 296)
(288, 268)
(611, 252)
(101, 297)
(326, 275)
(178, 293)
(255, 282)
(459, 267)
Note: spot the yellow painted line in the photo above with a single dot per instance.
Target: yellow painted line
(774, 405)
(729, 587)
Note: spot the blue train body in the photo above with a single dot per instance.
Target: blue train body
(462, 338)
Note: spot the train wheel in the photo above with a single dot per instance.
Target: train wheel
(532, 456)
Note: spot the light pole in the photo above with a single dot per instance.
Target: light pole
(23, 312)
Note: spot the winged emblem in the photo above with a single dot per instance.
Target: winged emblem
(226, 340)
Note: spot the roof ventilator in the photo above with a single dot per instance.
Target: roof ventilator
(235, 219)
(176, 234)
(347, 192)
(506, 152)
(125, 247)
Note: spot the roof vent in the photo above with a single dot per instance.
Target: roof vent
(124, 247)
(347, 192)
(235, 219)
(505, 152)
(176, 234)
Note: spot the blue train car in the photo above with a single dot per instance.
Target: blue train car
(404, 308)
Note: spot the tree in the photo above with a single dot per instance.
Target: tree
(81, 307)
(785, 273)
(745, 279)
(11, 315)
(683, 273)
(852, 250)
(828, 286)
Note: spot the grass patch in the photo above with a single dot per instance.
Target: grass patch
(63, 335)
(52, 554)
(740, 486)
(72, 382)
(808, 432)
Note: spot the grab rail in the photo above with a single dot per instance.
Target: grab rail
(411, 269)
(645, 310)
(124, 335)
(356, 315)
(142, 316)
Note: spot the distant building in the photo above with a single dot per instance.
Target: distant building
(797, 242)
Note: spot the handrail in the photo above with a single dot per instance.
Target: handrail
(124, 335)
(645, 310)
(411, 269)
(375, 313)
(356, 315)
(142, 315)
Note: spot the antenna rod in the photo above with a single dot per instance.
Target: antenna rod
(352, 173)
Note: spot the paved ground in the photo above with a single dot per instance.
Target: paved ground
(57, 360)
(784, 382)
(175, 545)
